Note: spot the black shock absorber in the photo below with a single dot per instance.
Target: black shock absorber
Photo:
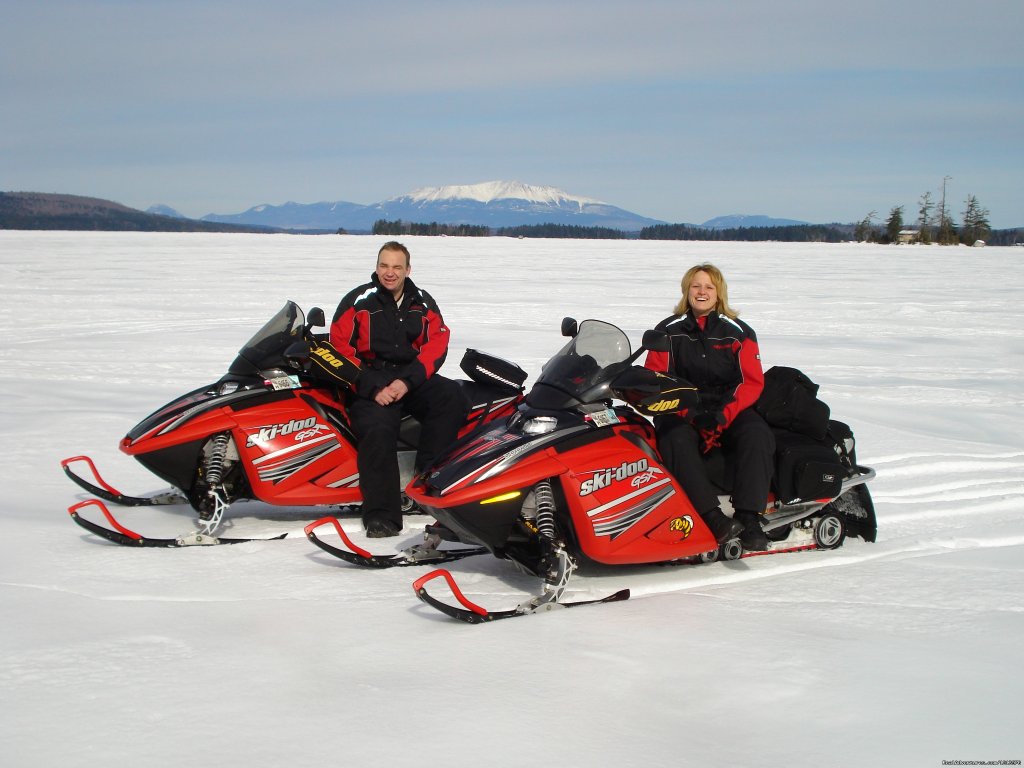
(213, 466)
(545, 499)
(556, 565)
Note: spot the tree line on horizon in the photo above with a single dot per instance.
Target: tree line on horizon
(934, 224)
(789, 233)
(833, 233)
(932, 227)
(567, 231)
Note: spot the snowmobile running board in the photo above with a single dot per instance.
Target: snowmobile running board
(472, 613)
(129, 538)
(108, 493)
(418, 555)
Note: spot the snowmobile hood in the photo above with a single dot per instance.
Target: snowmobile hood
(487, 453)
(188, 407)
(573, 387)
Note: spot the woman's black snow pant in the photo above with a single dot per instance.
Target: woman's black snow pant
(750, 446)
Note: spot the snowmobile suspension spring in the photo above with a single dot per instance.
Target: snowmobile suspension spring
(545, 509)
(215, 460)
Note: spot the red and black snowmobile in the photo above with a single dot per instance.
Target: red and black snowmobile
(273, 428)
(572, 477)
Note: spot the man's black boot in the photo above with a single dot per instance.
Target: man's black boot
(379, 528)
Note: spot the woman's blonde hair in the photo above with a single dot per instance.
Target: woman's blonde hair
(722, 289)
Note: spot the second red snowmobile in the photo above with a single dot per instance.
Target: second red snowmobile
(571, 477)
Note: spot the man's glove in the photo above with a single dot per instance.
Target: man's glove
(333, 366)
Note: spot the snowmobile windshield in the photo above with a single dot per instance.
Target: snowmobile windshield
(583, 367)
(266, 348)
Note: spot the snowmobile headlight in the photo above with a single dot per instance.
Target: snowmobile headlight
(540, 425)
(227, 388)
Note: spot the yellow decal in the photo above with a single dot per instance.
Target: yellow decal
(664, 405)
(683, 524)
(328, 358)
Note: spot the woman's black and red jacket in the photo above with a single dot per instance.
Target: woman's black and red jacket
(718, 355)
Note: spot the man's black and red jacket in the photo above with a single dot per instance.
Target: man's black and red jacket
(407, 341)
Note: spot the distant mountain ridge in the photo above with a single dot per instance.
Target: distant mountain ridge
(44, 210)
(738, 220)
(320, 217)
(492, 204)
(165, 210)
(495, 204)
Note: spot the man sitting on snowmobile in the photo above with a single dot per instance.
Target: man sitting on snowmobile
(396, 330)
(717, 353)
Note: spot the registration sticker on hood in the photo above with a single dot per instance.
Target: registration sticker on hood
(284, 382)
(604, 418)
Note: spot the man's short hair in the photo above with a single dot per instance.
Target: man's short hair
(394, 245)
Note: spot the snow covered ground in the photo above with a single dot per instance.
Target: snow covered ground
(906, 652)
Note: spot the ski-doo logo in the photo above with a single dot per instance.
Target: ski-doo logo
(303, 429)
(664, 405)
(682, 524)
(605, 477)
(325, 355)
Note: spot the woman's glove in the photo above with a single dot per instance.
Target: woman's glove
(710, 425)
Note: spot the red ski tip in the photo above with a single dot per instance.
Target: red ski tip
(330, 519)
(418, 587)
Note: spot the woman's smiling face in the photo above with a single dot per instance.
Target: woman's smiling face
(702, 295)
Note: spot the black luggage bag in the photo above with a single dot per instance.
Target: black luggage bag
(807, 469)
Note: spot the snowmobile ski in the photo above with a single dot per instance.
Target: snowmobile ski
(129, 538)
(472, 613)
(107, 492)
(422, 554)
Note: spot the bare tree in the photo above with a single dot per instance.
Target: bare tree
(864, 231)
(924, 218)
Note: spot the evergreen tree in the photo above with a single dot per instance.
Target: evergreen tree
(975, 226)
(894, 225)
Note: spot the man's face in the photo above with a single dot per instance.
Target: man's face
(392, 271)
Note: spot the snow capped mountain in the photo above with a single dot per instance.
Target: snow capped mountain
(506, 204)
(490, 191)
(493, 204)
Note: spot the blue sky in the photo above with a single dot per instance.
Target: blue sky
(680, 111)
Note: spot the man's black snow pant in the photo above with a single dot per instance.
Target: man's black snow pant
(750, 446)
(440, 407)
